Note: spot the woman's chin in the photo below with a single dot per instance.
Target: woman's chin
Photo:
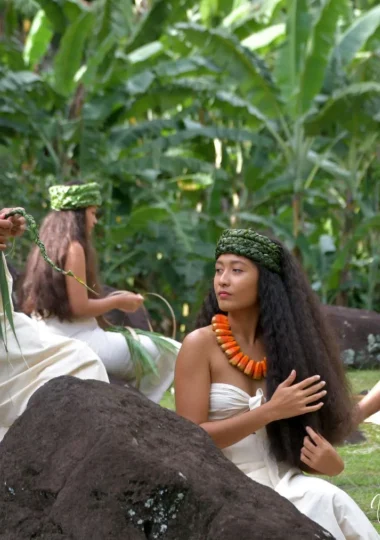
(224, 304)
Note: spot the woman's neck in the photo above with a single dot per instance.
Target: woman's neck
(244, 324)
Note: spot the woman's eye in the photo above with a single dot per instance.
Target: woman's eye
(218, 270)
(237, 270)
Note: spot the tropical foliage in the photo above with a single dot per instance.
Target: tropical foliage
(195, 116)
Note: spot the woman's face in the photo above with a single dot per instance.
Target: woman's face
(236, 282)
(91, 219)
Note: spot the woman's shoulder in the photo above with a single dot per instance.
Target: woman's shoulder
(195, 349)
(75, 258)
(199, 338)
(75, 248)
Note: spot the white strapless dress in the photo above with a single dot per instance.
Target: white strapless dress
(321, 501)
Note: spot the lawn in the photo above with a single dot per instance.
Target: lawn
(361, 477)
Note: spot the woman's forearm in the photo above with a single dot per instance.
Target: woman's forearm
(95, 307)
(370, 404)
(231, 430)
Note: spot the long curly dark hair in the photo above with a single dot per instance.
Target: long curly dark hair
(42, 289)
(296, 336)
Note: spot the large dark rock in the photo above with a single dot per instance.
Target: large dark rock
(358, 331)
(88, 460)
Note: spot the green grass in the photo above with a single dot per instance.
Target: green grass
(361, 477)
(363, 379)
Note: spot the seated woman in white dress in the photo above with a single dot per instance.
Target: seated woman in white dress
(67, 308)
(263, 377)
(37, 355)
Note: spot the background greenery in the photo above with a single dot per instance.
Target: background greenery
(198, 115)
(194, 116)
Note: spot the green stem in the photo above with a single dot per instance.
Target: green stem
(35, 236)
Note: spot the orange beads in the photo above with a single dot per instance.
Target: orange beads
(230, 347)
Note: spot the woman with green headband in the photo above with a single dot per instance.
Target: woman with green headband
(65, 307)
(262, 375)
(31, 356)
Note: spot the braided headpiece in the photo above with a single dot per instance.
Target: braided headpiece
(252, 245)
(75, 197)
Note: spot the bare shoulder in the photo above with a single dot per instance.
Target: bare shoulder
(201, 337)
(75, 250)
(196, 348)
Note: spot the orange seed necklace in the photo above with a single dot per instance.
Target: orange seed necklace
(224, 336)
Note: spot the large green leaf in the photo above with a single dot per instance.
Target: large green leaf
(16, 81)
(143, 216)
(321, 42)
(327, 165)
(144, 94)
(274, 225)
(11, 55)
(90, 74)
(290, 59)
(343, 255)
(274, 188)
(151, 26)
(180, 133)
(124, 136)
(38, 40)
(265, 37)
(70, 55)
(356, 36)
(209, 10)
(239, 64)
(169, 165)
(248, 17)
(353, 107)
(242, 22)
(195, 65)
(54, 12)
(115, 18)
(237, 107)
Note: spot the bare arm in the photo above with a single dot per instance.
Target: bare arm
(80, 304)
(192, 385)
(370, 404)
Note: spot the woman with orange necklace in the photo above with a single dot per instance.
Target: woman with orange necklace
(262, 375)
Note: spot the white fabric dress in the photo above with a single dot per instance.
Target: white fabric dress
(44, 356)
(113, 350)
(321, 501)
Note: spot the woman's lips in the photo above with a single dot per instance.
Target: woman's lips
(224, 294)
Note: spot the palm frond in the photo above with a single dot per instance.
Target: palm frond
(143, 363)
(32, 227)
(7, 304)
(163, 344)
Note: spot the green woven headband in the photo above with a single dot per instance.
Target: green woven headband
(252, 245)
(75, 197)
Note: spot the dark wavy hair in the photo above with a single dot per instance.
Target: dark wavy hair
(296, 336)
(43, 289)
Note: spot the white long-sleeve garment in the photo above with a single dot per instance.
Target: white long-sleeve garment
(43, 356)
(319, 500)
